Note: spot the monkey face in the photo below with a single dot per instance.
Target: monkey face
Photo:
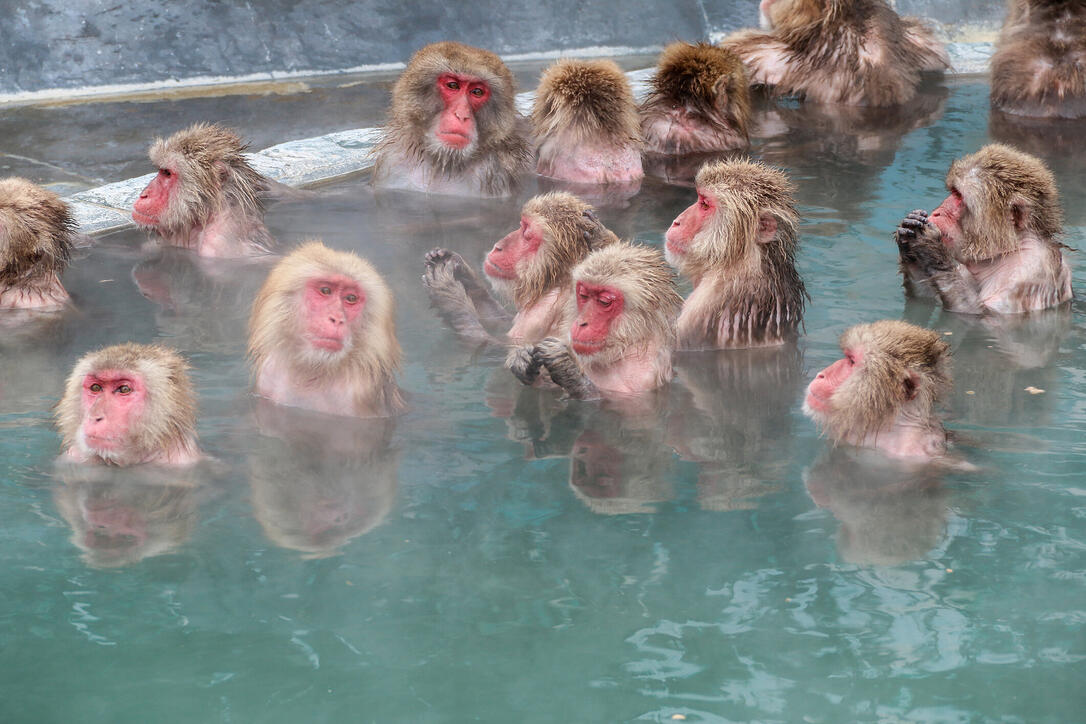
(948, 218)
(516, 249)
(113, 403)
(820, 392)
(598, 307)
(331, 306)
(154, 200)
(680, 236)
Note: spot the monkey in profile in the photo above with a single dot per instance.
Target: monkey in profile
(452, 126)
(36, 240)
(992, 246)
(205, 197)
(852, 52)
(1039, 65)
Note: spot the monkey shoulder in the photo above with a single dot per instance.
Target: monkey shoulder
(1033, 278)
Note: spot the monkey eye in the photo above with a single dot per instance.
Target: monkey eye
(477, 92)
(452, 85)
(583, 297)
(605, 303)
(124, 389)
(326, 290)
(851, 360)
(96, 387)
(165, 172)
(351, 299)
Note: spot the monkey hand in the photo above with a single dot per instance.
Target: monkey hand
(564, 370)
(524, 363)
(446, 291)
(920, 244)
(460, 270)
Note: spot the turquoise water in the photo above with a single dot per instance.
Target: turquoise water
(498, 555)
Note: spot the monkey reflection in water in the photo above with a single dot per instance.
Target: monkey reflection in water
(319, 481)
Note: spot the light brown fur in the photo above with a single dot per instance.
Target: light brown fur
(747, 293)
(362, 378)
(501, 153)
(854, 52)
(36, 230)
(167, 427)
(1039, 66)
(699, 102)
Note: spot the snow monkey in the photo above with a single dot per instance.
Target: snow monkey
(882, 394)
(737, 244)
(452, 126)
(206, 196)
(322, 335)
(530, 266)
(699, 102)
(585, 124)
(854, 52)
(129, 404)
(36, 238)
(620, 341)
(1039, 66)
(991, 246)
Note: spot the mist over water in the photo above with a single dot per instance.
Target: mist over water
(498, 554)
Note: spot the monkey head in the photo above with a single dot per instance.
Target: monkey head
(127, 404)
(556, 231)
(625, 298)
(201, 170)
(325, 309)
(888, 365)
(36, 230)
(782, 14)
(455, 100)
(744, 210)
(996, 195)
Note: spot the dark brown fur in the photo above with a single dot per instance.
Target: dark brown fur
(590, 100)
(36, 230)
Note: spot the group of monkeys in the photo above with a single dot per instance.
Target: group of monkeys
(594, 315)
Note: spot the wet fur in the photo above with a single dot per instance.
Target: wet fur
(36, 238)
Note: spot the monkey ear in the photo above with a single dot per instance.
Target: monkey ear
(1020, 214)
(911, 385)
(720, 93)
(222, 169)
(767, 228)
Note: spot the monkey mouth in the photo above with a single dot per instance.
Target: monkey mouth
(675, 246)
(454, 139)
(586, 348)
(494, 270)
(815, 404)
(100, 442)
(330, 344)
(143, 219)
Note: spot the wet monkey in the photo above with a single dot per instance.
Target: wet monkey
(129, 404)
(1039, 65)
(530, 267)
(622, 333)
(992, 245)
(699, 101)
(882, 393)
(585, 124)
(205, 196)
(853, 52)
(322, 335)
(36, 239)
(737, 244)
(452, 125)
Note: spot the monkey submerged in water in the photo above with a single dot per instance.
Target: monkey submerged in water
(36, 239)
(530, 266)
(322, 335)
(453, 126)
(991, 247)
(206, 196)
(853, 52)
(129, 404)
(883, 393)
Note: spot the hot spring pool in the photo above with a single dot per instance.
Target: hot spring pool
(497, 555)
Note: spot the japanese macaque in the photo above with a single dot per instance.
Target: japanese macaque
(586, 125)
(622, 333)
(530, 266)
(36, 238)
(206, 197)
(129, 404)
(1039, 66)
(699, 102)
(991, 246)
(853, 52)
(322, 335)
(453, 127)
(737, 244)
(883, 393)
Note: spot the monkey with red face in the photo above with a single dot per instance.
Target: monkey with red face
(453, 127)
(992, 246)
(530, 266)
(322, 335)
(206, 196)
(622, 333)
(883, 393)
(129, 404)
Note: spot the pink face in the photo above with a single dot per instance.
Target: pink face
(462, 96)
(948, 218)
(597, 309)
(154, 199)
(828, 380)
(516, 246)
(332, 305)
(595, 466)
(113, 402)
(683, 229)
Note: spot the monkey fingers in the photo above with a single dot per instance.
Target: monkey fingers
(524, 363)
(564, 369)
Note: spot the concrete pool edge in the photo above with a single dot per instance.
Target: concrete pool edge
(320, 159)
